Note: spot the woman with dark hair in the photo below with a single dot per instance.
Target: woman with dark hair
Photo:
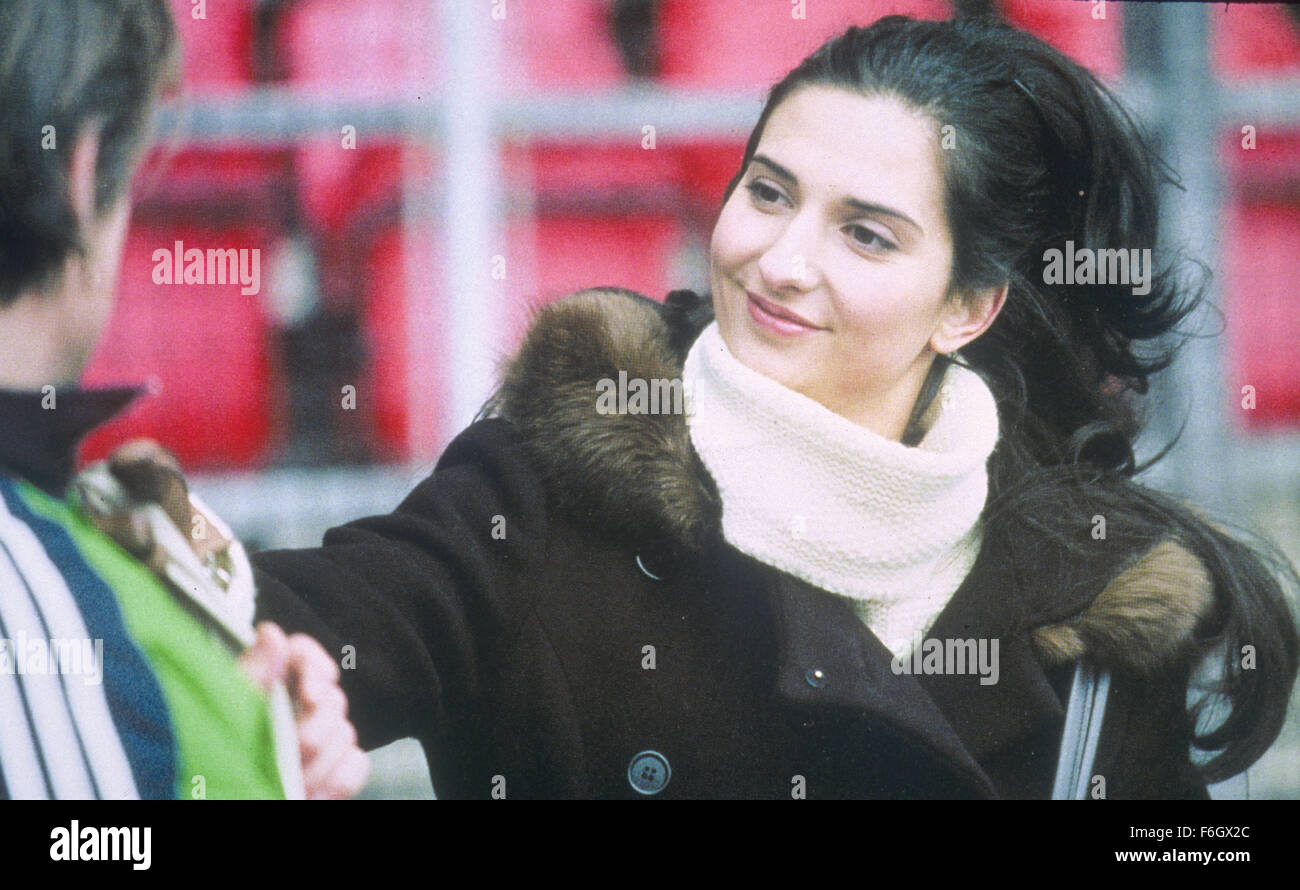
(862, 559)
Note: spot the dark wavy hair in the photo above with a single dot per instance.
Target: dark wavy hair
(70, 64)
(1045, 153)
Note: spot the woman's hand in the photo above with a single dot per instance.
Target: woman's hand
(333, 766)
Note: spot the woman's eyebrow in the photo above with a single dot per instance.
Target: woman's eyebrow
(868, 207)
(854, 203)
(776, 168)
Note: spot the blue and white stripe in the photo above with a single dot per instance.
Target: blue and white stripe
(58, 735)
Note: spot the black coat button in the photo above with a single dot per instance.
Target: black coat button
(649, 772)
(816, 677)
(658, 560)
(641, 564)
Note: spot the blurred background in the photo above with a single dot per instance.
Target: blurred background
(420, 174)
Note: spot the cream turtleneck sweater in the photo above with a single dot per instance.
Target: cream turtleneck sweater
(893, 528)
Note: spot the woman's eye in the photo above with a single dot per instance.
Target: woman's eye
(865, 237)
(763, 193)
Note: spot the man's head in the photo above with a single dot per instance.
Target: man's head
(79, 80)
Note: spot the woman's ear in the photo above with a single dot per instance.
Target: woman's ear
(966, 317)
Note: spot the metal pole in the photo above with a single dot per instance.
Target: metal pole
(1203, 468)
(1195, 389)
(466, 317)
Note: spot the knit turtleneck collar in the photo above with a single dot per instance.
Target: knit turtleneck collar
(805, 490)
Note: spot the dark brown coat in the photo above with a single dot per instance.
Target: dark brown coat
(521, 661)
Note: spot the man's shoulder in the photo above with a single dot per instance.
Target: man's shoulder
(28, 514)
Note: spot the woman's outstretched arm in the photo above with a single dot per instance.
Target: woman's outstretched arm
(411, 603)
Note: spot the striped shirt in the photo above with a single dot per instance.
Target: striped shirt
(109, 687)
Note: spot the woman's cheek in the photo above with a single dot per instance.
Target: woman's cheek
(878, 331)
(733, 261)
(723, 249)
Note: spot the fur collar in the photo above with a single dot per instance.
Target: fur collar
(636, 477)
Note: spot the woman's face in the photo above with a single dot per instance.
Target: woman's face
(830, 261)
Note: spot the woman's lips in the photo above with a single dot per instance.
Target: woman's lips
(777, 319)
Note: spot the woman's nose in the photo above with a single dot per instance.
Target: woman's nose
(789, 263)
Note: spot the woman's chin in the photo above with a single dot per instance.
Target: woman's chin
(772, 360)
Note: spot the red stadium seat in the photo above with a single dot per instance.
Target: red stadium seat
(713, 44)
(203, 347)
(336, 186)
(1265, 166)
(231, 180)
(547, 258)
(621, 189)
(606, 168)
(227, 181)
(707, 168)
(217, 50)
(553, 256)
(561, 254)
(390, 307)
(1076, 29)
(1261, 271)
(1262, 268)
(1254, 41)
(351, 49)
(392, 48)
(558, 46)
